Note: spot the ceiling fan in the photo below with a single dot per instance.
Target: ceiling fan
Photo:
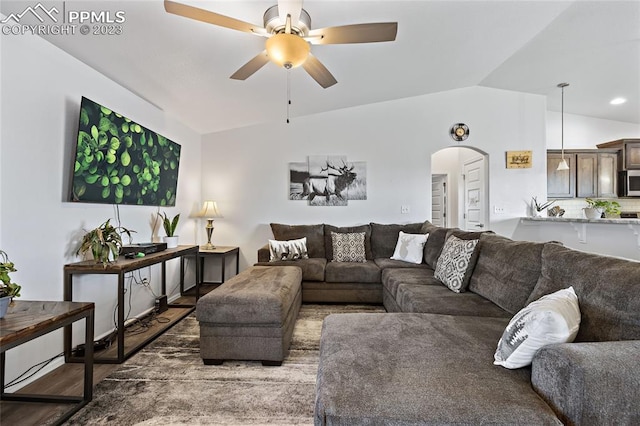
(287, 27)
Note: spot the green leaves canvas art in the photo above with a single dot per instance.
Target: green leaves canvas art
(118, 161)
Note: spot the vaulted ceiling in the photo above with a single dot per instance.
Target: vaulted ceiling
(183, 66)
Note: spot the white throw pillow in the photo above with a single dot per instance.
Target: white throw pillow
(288, 250)
(409, 247)
(453, 263)
(554, 318)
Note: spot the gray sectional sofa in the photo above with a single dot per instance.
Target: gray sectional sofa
(430, 359)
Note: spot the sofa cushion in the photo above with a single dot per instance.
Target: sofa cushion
(506, 271)
(438, 299)
(352, 272)
(385, 236)
(314, 234)
(396, 369)
(288, 250)
(348, 247)
(590, 383)
(455, 264)
(392, 278)
(385, 263)
(607, 290)
(554, 318)
(328, 229)
(410, 247)
(437, 237)
(312, 269)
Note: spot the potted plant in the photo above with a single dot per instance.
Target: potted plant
(103, 241)
(595, 208)
(538, 208)
(8, 290)
(170, 228)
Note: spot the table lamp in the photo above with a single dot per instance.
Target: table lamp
(209, 211)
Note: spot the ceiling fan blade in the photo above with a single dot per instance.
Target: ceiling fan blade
(356, 33)
(318, 72)
(209, 17)
(248, 69)
(290, 7)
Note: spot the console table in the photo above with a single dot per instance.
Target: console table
(220, 252)
(27, 320)
(121, 267)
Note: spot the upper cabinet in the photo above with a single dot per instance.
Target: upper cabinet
(629, 158)
(561, 183)
(592, 173)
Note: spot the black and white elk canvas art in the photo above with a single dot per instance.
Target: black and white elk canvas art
(328, 180)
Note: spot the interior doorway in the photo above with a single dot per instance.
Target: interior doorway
(439, 198)
(473, 178)
(466, 195)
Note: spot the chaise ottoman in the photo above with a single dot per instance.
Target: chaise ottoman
(251, 316)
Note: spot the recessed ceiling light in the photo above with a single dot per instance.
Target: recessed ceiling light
(618, 101)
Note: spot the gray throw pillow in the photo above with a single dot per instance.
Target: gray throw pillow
(454, 262)
(348, 247)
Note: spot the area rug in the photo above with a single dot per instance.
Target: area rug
(166, 383)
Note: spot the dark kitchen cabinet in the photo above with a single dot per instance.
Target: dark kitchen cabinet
(592, 173)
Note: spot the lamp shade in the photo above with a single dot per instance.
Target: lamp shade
(209, 210)
(563, 165)
(287, 50)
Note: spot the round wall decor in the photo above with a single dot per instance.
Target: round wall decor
(459, 132)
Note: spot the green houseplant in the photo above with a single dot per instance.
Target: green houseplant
(596, 207)
(8, 289)
(103, 241)
(170, 226)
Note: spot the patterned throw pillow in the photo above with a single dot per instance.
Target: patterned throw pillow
(453, 263)
(348, 247)
(410, 247)
(288, 250)
(554, 318)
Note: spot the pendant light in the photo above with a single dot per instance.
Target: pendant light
(563, 163)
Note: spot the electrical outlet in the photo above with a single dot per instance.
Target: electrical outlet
(498, 210)
(405, 209)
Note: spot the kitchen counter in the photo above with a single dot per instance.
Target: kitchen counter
(583, 220)
(613, 237)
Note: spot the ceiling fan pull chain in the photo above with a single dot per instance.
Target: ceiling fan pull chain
(288, 93)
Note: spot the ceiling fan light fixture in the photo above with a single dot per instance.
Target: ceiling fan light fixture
(287, 50)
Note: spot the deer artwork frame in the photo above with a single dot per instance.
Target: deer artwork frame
(328, 180)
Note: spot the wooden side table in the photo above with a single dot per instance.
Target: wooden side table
(219, 252)
(27, 320)
(120, 268)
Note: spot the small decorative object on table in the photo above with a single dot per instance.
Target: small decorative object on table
(103, 241)
(170, 229)
(8, 290)
(209, 211)
(555, 211)
(537, 209)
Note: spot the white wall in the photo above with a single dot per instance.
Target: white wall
(586, 132)
(41, 91)
(246, 170)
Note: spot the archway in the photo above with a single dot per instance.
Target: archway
(460, 188)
